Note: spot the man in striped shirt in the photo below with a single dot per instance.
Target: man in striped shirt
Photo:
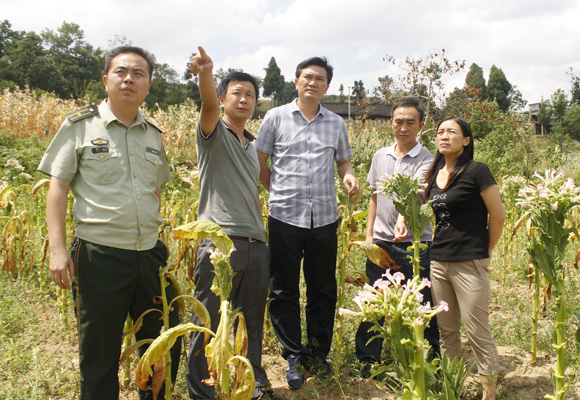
(304, 141)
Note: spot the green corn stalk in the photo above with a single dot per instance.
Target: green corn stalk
(230, 371)
(157, 354)
(126, 372)
(510, 187)
(347, 234)
(535, 314)
(549, 199)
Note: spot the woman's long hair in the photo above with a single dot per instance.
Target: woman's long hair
(462, 161)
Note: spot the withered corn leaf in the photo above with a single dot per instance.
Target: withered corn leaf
(202, 229)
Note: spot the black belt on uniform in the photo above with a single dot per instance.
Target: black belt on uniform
(249, 239)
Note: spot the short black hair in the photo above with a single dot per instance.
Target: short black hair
(237, 76)
(319, 61)
(410, 102)
(150, 58)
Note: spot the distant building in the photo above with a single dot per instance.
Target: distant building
(374, 111)
(533, 111)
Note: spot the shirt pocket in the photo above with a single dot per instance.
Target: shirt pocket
(152, 164)
(102, 168)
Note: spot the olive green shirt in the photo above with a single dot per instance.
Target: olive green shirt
(113, 173)
(228, 177)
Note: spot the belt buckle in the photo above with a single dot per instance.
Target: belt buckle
(251, 240)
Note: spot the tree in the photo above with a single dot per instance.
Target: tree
(517, 101)
(119, 41)
(575, 87)
(422, 78)
(358, 90)
(475, 81)
(385, 89)
(571, 121)
(499, 88)
(341, 91)
(288, 93)
(191, 86)
(545, 115)
(8, 37)
(559, 103)
(74, 58)
(166, 89)
(26, 64)
(221, 73)
(273, 81)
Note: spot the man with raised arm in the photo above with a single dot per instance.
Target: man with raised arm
(228, 174)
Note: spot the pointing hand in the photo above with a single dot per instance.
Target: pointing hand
(200, 62)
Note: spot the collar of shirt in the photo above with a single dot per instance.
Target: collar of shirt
(248, 135)
(107, 116)
(294, 108)
(414, 152)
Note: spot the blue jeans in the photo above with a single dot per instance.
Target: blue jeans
(371, 352)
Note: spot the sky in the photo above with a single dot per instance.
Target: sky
(534, 42)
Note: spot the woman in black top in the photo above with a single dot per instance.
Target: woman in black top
(469, 217)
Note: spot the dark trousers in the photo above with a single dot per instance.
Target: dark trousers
(249, 292)
(288, 246)
(111, 284)
(371, 352)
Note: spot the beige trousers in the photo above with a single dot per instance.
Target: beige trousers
(465, 287)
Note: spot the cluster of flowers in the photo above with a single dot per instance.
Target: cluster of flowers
(392, 294)
(549, 191)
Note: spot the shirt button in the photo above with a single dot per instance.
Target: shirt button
(155, 162)
(134, 175)
(140, 239)
(131, 153)
(102, 157)
(139, 198)
(139, 246)
(141, 224)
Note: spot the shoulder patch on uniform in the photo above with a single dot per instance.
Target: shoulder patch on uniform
(153, 125)
(84, 112)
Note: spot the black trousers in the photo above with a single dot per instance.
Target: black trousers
(317, 248)
(371, 352)
(112, 284)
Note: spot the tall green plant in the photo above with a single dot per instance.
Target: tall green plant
(403, 189)
(230, 371)
(399, 303)
(510, 187)
(548, 199)
(348, 235)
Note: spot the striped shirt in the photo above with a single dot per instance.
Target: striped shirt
(415, 163)
(303, 155)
